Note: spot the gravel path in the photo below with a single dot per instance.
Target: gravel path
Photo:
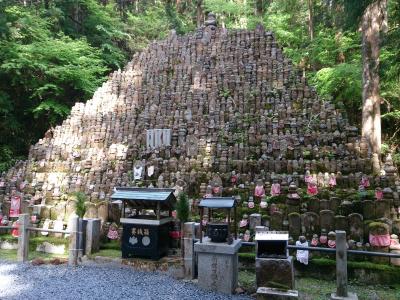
(95, 281)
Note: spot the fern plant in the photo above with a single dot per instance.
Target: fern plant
(80, 204)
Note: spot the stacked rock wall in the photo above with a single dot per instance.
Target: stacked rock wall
(230, 101)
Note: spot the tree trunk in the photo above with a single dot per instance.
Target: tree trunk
(373, 23)
(199, 13)
(310, 19)
(259, 7)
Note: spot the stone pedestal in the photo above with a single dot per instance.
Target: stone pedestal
(218, 265)
(275, 273)
(264, 293)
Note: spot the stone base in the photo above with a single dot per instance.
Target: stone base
(264, 293)
(350, 296)
(275, 273)
(6, 245)
(47, 247)
(218, 265)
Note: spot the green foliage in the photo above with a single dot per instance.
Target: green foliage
(342, 83)
(56, 55)
(182, 207)
(111, 245)
(80, 204)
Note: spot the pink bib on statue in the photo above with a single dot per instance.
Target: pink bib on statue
(379, 240)
(259, 191)
(275, 189)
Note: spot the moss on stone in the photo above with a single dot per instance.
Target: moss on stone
(294, 214)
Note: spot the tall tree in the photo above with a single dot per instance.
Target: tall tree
(199, 13)
(310, 19)
(373, 23)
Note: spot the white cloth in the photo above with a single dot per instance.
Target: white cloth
(150, 171)
(46, 225)
(137, 173)
(302, 255)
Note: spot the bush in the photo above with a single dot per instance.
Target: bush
(182, 207)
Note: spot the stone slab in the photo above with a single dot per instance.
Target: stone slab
(217, 248)
(265, 293)
(271, 272)
(350, 296)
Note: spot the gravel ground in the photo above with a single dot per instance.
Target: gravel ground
(94, 281)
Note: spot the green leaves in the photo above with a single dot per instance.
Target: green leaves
(342, 84)
(43, 73)
(182, 207)
(53, 110)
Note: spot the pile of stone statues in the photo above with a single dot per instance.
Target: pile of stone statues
(215, 107)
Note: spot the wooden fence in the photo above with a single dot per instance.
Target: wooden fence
(24, 229)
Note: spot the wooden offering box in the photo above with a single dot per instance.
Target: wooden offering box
(144, 234)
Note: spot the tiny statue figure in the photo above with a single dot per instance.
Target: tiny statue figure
(323, 239)
(362, 193)
(234, 178)
(35, 218)
(15, 231)
(302, 255)
(4, 221)
(244, 221)
(113, 232)
(378, 193)
(312, 188)
(332, 181)
(332, 239)
(204, 221)
(364, 181)
(379, 238)
(307, 177)
(394, 242)
(137, 171)
(251, 203)
(209, 192)
(174, 214)
(326, 179)
(259, 190)
(351, 244)
(246, 236)
(273, 208)
(275, 188)
(314, 240)
(264, 203)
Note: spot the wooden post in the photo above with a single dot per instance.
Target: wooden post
(229, 222)
(23, 238)
(73, 242)
(201, 224)
(341, 264)
(235, 221)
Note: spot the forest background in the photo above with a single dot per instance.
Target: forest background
(54, 53)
